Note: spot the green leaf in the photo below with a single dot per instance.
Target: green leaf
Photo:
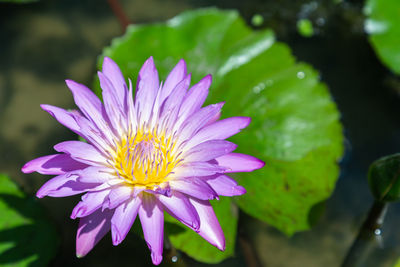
(295, 125)
(257, 20)
(196, 247)
(397, 264)
(305, 28)
(26, 237)
(383, 25)
(384, 178)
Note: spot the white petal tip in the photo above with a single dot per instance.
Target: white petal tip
(220, 246)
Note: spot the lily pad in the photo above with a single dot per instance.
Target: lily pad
(295, 125)
(384, 178)
(383, 26)
(26, 237)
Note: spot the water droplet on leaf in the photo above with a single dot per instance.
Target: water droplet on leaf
(301, 75)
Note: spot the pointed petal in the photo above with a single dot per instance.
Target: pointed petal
(170, 107)
(64, 117)
(198, 120)
(194, 187)
(209, 150)
(81, 151)
(53, 164)
(174, 77)
(195, 169)
(113, 73)
(91, 230)
(85, 99)
(195, 97)
(90, 202)
(219, 130)
(179, 207)
(240, 162)
(114, 107)
(89, 104)
(123, 219)
(63, 185)
(152, 220)
(225, 186)
(147, 87)
(210, 229)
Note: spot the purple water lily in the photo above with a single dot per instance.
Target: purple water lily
(160, 151)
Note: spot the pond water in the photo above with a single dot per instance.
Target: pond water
(43, 43)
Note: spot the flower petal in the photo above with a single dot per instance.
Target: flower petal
(82, 152)
(195, 97)
(210, 229)
(240, 162)
(113, 73)
(178, 206)
(147, 86)
(174, 77)
(53, 164)
(194, 187)
(90, 202)
(225, 186)
(93, 174)
(131, 109)
(85, 99)
(123, 219)
(170, 107)
(91, 230)
(198, 120)
(114, 107)
(63, 185)
(209, 150)
(219, 130)
(89, 104)
(195, 169)
(152, 220)
(64, 117)
(91, 133)
(118, 195)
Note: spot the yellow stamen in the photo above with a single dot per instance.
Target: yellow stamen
(145, 159)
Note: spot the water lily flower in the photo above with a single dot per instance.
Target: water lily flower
(158, 152)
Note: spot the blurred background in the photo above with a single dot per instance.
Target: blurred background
(45, 42)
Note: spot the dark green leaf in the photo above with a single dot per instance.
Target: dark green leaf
(26, 237)
(295, 125)
(384, 178)
(383, 25)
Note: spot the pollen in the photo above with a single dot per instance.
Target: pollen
(145, 159)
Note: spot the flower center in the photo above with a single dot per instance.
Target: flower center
(145, 159)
